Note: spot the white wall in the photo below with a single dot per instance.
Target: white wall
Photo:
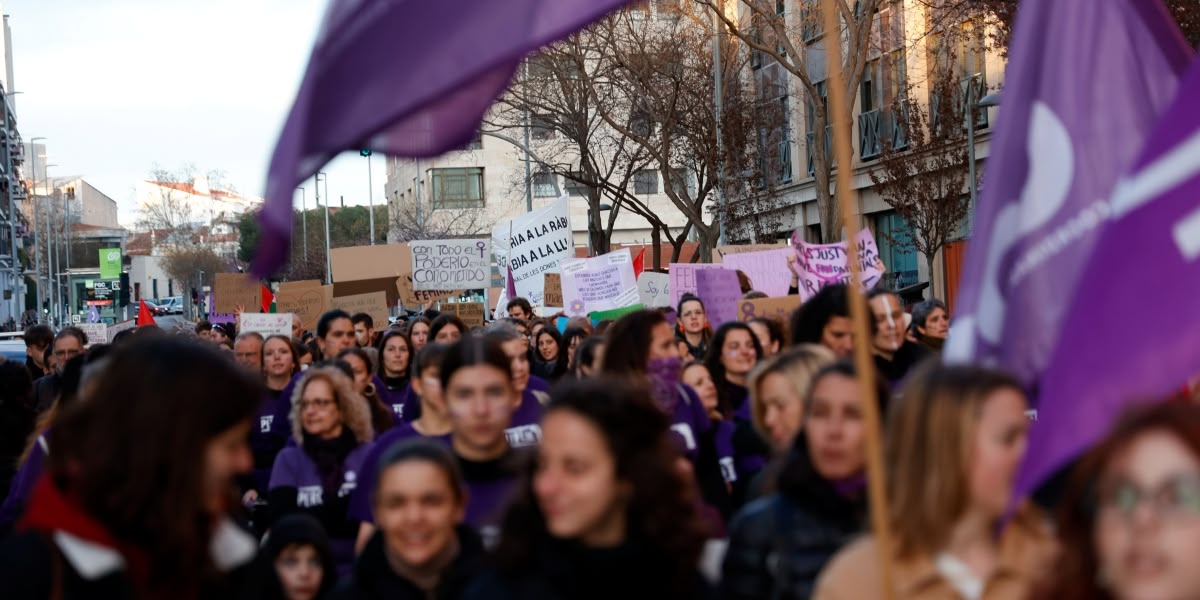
(143, 271)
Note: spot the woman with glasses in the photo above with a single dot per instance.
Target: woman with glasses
(953, 445)
(332, 429)
(1131, 524)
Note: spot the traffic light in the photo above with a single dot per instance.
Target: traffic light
(123, 295)
(364, 152)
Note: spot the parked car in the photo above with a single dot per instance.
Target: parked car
(12, 347)
(173, 305)
(156, 309)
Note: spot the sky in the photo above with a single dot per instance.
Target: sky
(119, 86)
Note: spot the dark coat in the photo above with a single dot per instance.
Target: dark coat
(45, 391)
(779, 544)
(374, 579)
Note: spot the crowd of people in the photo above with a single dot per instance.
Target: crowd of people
(654, 456)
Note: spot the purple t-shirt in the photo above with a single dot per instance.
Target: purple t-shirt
(360, 499)
(747, 464)
(689, 421)
(523, 427)
(399, 399)
(23, 483)
(294, 468)
(266, 442)
(490, 487)
(537, 384)
(396, 406)
(723, 440)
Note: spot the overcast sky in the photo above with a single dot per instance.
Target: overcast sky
(120, 85)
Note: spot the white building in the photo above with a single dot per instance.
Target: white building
(204, 205)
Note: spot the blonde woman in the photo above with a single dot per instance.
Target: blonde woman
(953, 446)
(777, 389)
(332, 429)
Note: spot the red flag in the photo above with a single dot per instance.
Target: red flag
(639, 263)
(267, 299)
(144, 316)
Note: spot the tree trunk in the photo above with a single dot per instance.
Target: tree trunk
(656, 239)
(929, 264)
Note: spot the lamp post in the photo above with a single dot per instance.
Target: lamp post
(12, 215)
(972, 104)
(370, 194)
(328, 260)
(37, 243)
(52, 254)
(304, 220)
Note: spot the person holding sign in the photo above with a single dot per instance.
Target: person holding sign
(693, 330)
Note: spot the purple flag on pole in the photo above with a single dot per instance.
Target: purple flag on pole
(403, 77)
(1132, 332)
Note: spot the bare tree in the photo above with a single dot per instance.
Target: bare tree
(172, 209)
(442, 224)
(924, 181)
(186, 263)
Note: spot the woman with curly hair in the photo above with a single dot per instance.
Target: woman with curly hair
(331, 425)
(607, 511)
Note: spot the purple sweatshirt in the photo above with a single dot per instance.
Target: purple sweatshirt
(397, 394)
(360, 500)
(688, 421)
(23, 482)
(746, 463)
(523, 427)
(490, 487)
(265, 442)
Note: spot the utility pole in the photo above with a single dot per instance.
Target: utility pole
(304, 220)
(717, 101)
(328, 259)
(37, 243)
(370, 195)
(420, 184)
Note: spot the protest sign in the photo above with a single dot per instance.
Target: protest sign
(654, 289)
(116, 328)
(533, 244)
(683, 279)
(554, 293)
(234, 290)
(411, 298)
(770, 308)
(451, 264)
(720, 292)
(767, 269)
(97, 333)
(824, 264)
(305, 299)
(614, 314)
(471, 313)
(725, 251)
(267, 324)
(599, 283)
(374, 304)
(358, 263)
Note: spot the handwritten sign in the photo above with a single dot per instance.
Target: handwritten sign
(598, 284)
(824, 264)
(305, 299)
(720, 292)
(116, 328)
(767, 269)
(97, 333)
(533, 244)
(770, 308)
(471, 313)
(553, 287)
(412, 298)
(267, 324)
(233, 290)
(451, 264)
(654, 289)
(374, 304)
(683, 279)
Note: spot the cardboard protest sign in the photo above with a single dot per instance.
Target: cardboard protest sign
(683, 279)
(97, 333)
(305, 299)
(451, 264)
(471, 313)
(233, 290)
(767, 269)
(358, 263)
(720, 292)
(411, 298)
(116, 328)
(533, 244)
(599, 283)
(824, 264)
(744, 248)
(553, 290)
(654, 289)
(374, 304)
(771, 308)
(614, 314)
(267, 324)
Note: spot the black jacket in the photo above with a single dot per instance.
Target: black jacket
(779, 544)
(45, 391)
(568, 571)
(908, 356)
(374, 579)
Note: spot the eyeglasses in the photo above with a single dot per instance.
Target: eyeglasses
(318, 403)
(1177, 498)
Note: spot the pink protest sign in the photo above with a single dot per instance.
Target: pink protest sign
(767, 269)
(824, 264)
(720, 292)
(683, 279)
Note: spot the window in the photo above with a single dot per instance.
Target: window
(574, 187)
(641, 123)
(457, 188)
(811, 25)
(893, 236)
(645, 182)
(681, 182)
(541, 127)
(476, 142)
(545, 185)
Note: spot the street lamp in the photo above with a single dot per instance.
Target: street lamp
(37, 247)
(304, 219)
(370, 193)
(328, 260)
(985, 102)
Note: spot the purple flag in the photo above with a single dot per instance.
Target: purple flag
(405, 78)
(1086, 83)
(1134, 318)
(510, 284)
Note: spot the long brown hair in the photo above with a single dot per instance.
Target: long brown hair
(1076, 517)
(930, 432)
(134, 452)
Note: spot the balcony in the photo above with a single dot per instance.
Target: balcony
(878, 129)
(812, 163)
(972, 88)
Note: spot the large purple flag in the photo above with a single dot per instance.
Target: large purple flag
(1086, 83)
(1132, 334)
(405, 77)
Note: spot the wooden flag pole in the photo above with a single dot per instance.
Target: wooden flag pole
(863, 364)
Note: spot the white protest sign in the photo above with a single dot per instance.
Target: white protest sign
(824, 264)
(97, 333)
(534, 244)
(598, 284)
(683, 279)
(654, 288)
(116, 328)
(267, 324)
(451, 265)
